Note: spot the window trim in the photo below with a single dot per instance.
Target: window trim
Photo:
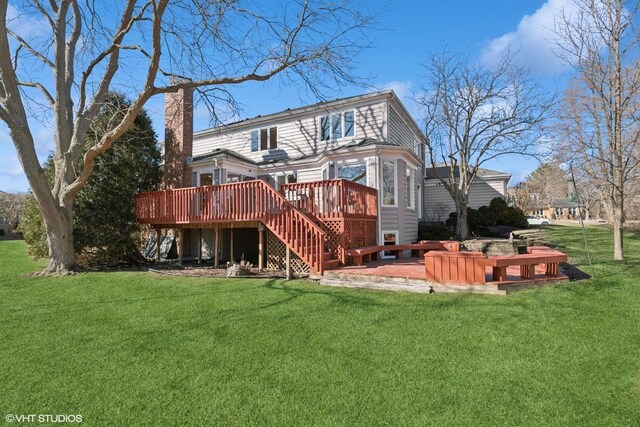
(417, 147)
(342, 125)
(286, 175)
(420, 210)
(352, 163)
(259, 130)
(207, 170)
(382, 233)
(412, 187)
(395, 183)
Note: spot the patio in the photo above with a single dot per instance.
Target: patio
(408, 274)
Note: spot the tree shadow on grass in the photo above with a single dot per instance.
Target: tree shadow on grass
(294, 291)
(573, 272)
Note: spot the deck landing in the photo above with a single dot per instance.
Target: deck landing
(409, 275)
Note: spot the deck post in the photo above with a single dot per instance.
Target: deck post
(158, 242)
(180, 242)
(216, 247)
(288, 264)
(199, 245)
(260, 248)
(233, 259)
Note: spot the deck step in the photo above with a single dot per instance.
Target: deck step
(330, 264)
(337, 278)
(327, 256)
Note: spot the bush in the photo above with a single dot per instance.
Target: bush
(105, 227)
(433, 231)
(32, 228)
(497, 213)
(513, 217)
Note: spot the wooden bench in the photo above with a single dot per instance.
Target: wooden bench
(470, 267)
(527, 262)
(369, 253)
(455, 267)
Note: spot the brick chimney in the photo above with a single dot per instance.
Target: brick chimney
(178, 138)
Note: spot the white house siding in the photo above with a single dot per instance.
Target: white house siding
(297, 137)
(377, 118)
(411, 215)
(439, 204)
(399, 131)
(400, 218)
(309, 175)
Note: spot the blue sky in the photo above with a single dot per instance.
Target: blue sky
(411, 30)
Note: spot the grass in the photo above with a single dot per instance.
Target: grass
(133, 348)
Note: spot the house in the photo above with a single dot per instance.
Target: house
(305, 183)
(556, 209)
(549, 207)
(486, 186)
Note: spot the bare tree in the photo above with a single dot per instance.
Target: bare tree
(547, 183)
(145, 48)
(521, 197)
(599, 117)
(11, 207)
(475, 113)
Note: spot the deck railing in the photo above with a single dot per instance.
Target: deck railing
(336, 198)
(243, 201)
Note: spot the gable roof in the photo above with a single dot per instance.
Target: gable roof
(430, 173)
(327, 106)
(222, 153)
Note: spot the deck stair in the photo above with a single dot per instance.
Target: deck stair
(304, 224)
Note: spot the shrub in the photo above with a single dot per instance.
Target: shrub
(513, 217)
(105, 226)
(433, 231)
(497, 213)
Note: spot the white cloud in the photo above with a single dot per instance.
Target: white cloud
(406, 94)
(404, 89)
(533, 40)
(26, 25)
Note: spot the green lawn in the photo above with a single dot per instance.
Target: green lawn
(141, 349)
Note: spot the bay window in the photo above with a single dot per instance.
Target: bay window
(410, 188)
(356, 172)
(388, 183)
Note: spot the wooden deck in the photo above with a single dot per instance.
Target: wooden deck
(414, 268)
(312, 219)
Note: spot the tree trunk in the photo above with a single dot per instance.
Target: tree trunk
(618, 222)
(462, 225)
(62, 257)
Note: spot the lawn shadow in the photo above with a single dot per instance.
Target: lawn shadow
(341, 296)
(573, 272)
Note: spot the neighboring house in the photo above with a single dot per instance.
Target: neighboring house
(308, 155)
(486, 186)
(556, 209)
(548, 207)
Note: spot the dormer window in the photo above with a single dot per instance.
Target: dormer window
(337, 125)
(417, 148)
(264, 139)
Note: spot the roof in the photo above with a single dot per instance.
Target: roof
(222, 153)
(326, 105)
(430, 173)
